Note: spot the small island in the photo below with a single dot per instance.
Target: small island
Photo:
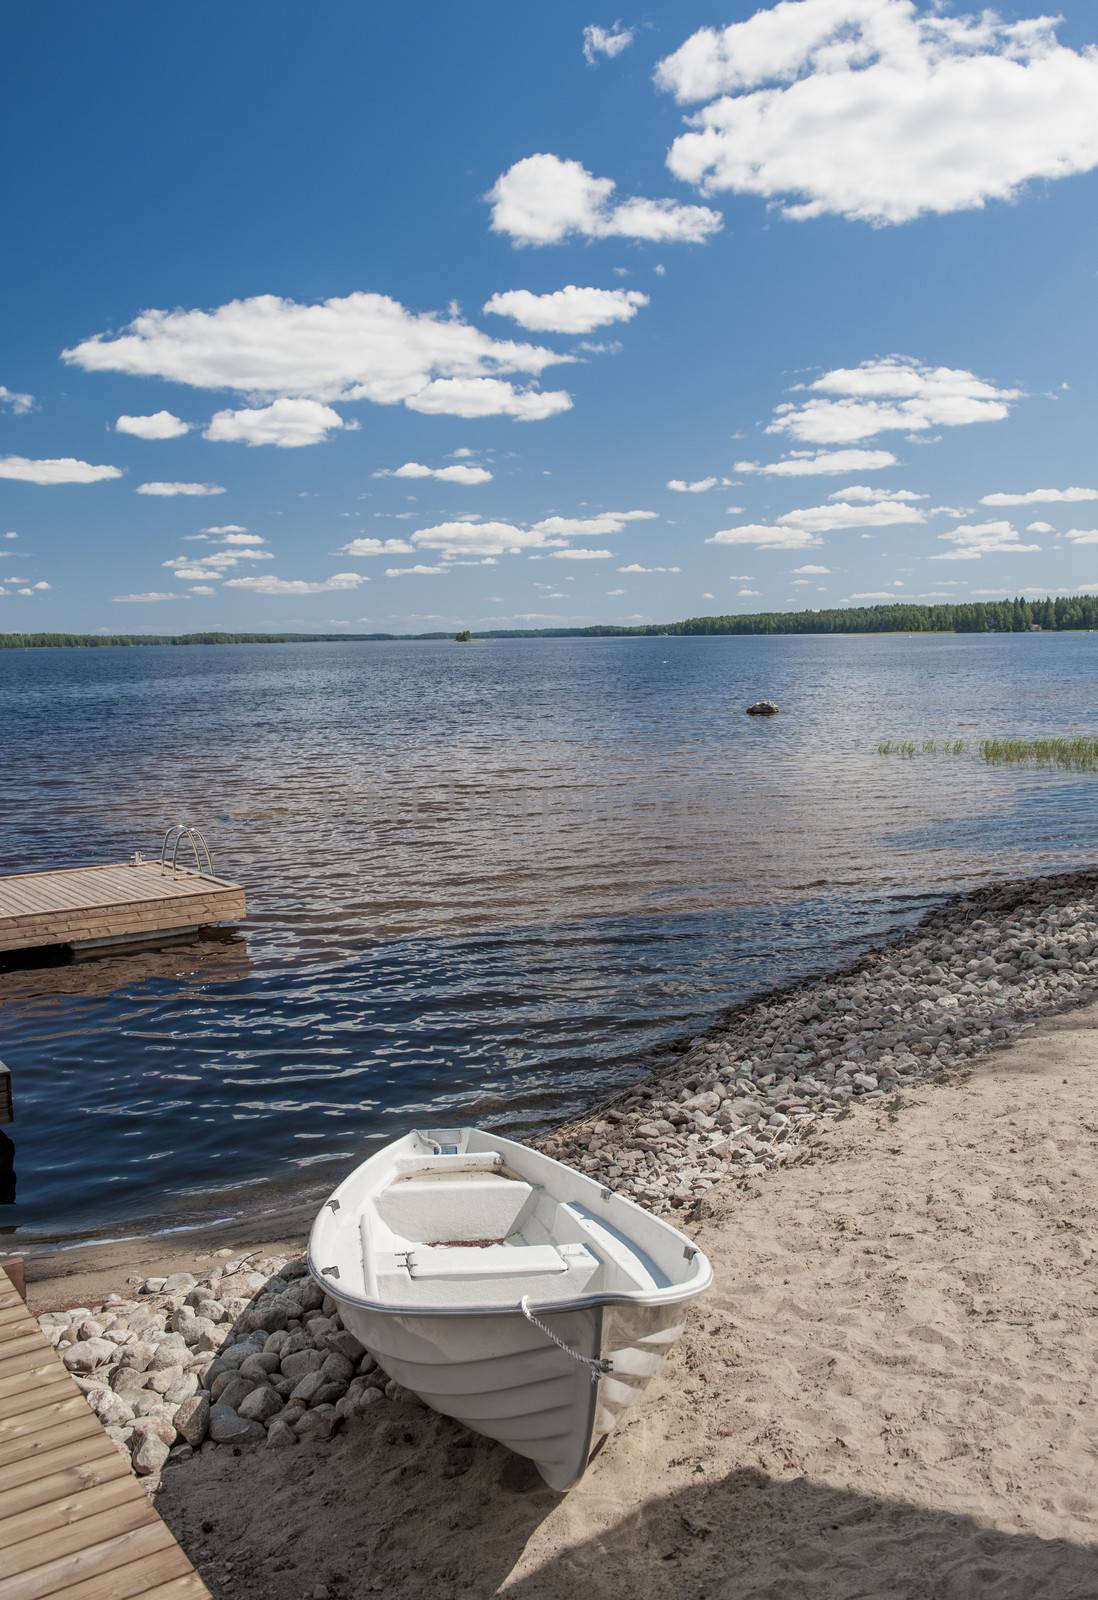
(464, 637)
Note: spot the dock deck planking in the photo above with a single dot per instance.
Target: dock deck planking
(74, 1522)
(138, 900)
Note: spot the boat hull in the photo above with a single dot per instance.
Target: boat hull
(501, 1376)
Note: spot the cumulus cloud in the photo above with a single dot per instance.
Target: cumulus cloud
(458, 474)
(287, 424)
(636, 567)
(1082, 535)
(970, 541)
(578, 553)
(766, 537)
(239, 536)
(812, 570)
(809, 463)
(166, 490)
(1040, 527)
(698, 486)
(488, 397)
(872, 594)
(544, 199)
(60, 469)
(1037, 497)
(881, 110)
(869, 494)
(605, 522)
(269, 584)
(882, 395)
(356, 347)
(377, 547)
(160, 425)
(405, 572)
(753, 593)
(608, 42)
(477, 538)
(150, 597)
(568, 310)
(20, 404)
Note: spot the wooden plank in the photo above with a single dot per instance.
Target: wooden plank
(71, 1480)
(168, 1572)
(87, 903)
(91, 1562)
(40, 1391)
(25, 1341)
(22, 1451)
(41, 1520)
(39, 1408)
(15, 1375)
(127, 1517)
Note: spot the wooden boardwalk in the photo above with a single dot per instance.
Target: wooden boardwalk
(74, 1522)
(130, 901)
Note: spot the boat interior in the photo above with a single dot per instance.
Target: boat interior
(452, 1226)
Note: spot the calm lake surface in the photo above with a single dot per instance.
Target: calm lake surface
(484, 881)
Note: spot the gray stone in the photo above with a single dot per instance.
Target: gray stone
(192, 1420)
(337, 1368)
(280, 1433)
(308, 1386)
(300, 1362)
(89, 1354)
(226, 1427)
(148, 1454)
(262, 1404)
(230, 1391)
(259, 1365)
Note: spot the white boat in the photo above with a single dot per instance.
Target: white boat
(506, 1289)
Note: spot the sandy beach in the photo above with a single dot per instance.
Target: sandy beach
(888, 1392)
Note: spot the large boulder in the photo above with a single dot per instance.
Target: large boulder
(763, 708)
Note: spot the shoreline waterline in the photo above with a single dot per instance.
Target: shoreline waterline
(605, 1135)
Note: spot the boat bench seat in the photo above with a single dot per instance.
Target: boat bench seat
(485, 1261)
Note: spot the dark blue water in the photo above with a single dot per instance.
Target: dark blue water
(484, 882)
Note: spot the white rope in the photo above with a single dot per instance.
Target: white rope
(595, 1367)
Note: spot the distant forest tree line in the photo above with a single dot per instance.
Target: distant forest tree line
(1065, 613)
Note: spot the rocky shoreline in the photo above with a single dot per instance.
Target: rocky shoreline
(252, 1352)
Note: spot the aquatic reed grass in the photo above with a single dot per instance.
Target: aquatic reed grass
(1078, 754)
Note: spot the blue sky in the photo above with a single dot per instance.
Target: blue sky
(848, 243)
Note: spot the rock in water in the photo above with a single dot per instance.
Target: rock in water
(763, 708)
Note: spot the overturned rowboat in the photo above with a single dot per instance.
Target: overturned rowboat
(505, 1289)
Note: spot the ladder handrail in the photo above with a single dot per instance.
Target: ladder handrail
(194, 837)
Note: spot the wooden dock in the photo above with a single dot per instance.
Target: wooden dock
(132, 902)
(74, 1522)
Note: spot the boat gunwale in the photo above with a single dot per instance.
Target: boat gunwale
(671, 1294)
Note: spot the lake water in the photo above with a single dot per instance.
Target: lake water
(484, 881)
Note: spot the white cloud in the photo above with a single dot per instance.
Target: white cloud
(1037, 497)
(11, 536)
(160, 425)
(802, 583)
(973, 540)
(568, 310)
(358, 347)
(477, 538)
(458, 474)
(880, 396)
(377, 547)
(808, 463)
(224, 527)
(765, 537)
(753, 593)
(149, 598)
(1082, 535)
(1040, 527)
(404, 572)
(812, 570)
(578, 553)
(20, 404)
(488, 397)
(635, 567)
(544, 199)
(203, 588)
(608, 42)
(269, 584)
(613, 593)
(169, 489)
(288, 424)
(239, 537)
(62, 469)
(872, 594)
(605, 522)
(881, 110)
(863, 493)
(698, 486)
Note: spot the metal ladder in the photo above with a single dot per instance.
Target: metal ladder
(174, 837)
